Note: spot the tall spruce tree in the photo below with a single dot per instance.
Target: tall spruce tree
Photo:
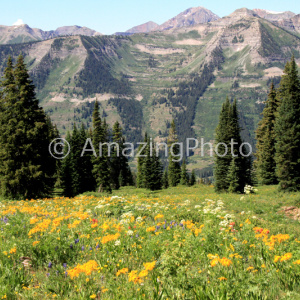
(222, 160)
(242, 163)
(233, 177)
(165, 181)
(157, 171)
(184, 179)
(193, 178)
(54, 134)
(27, 169)
(287, 130)
(265, 135)
(152, 168)
(120, 170)
(67, 171)
(228, 130)
(174, 170)
(101, 167)
(140, 166)
(75, 162)
(147, 167)
(115, 157)
(85, 163)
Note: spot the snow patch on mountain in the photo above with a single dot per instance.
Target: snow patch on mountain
(19, 22)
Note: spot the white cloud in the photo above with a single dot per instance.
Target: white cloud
(19, 22)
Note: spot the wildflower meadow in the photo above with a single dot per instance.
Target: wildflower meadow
(187, 243)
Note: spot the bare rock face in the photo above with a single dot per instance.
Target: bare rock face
(239, 14)
(75, 30)
(273, 15)
(191, 16)
(296, 22)
(143, 28)
(292, 24)
(287, 20)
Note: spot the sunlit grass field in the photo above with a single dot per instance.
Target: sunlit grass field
(180, 243)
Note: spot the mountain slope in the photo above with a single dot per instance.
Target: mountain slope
(273, 15)
(23, 33)
(292, 24)
(145, 80)
(143, 28)
(189, 17)
(287, 20)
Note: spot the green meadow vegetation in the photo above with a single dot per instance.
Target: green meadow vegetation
(180, 243)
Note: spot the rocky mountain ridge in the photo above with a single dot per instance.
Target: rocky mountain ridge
(23, 33)
(189, 17)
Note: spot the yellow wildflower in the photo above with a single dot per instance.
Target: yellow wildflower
(222, 278)
(122, 271)
(149, 266)
(13, 250)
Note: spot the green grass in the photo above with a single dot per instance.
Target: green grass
(265, 204)
(179, 243)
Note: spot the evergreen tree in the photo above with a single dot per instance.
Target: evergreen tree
(151, 168)
(81, 166)
(27, 169)
(67, 171)
(193, 178)
(75, 158)
(121, 173)
(157, 174)
(233, 177)
(147, 167)
(287, 130)
(174, 170)
(115, 157)
(54, 134)
(101, 168)
(165, 183)
(223, 137)
(140, 170)
(243, 164)
(184, 180)
(85, 164)
(229, 130)
(266, 139)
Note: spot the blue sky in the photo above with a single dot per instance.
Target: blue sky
(118, 15)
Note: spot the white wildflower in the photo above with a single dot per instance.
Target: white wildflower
(139, 219)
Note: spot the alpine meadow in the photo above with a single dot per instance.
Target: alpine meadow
(161, 162)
